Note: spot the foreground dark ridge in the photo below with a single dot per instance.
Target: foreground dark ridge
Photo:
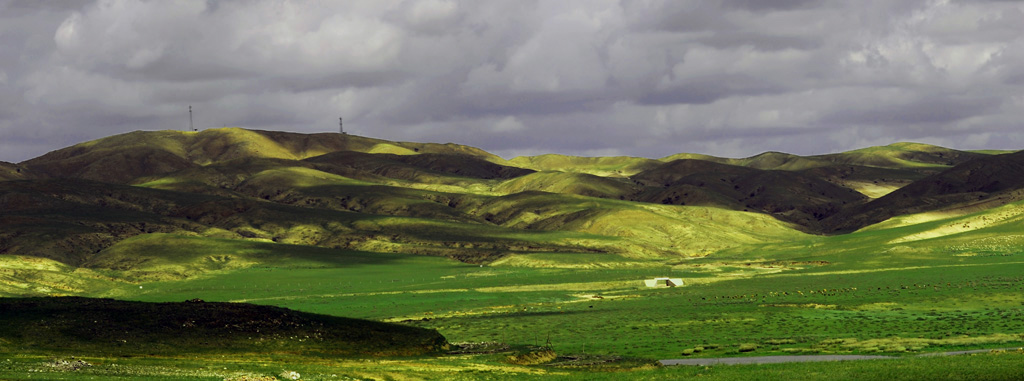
(85, 325)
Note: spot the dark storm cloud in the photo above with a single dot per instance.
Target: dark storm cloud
(703, 90)
(600, 77)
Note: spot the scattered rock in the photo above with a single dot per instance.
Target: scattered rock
(290, 375)
(64, 365)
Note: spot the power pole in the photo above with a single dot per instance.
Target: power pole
(191, 127)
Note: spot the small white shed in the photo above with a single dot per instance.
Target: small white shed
(664, 282)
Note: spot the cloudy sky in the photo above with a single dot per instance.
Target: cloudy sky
(589, 77)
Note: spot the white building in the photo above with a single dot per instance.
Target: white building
(664, 282)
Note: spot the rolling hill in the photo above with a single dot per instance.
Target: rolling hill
(349, 192)
(987, 182)
(787, 195)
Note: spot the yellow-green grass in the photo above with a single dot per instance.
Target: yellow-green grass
(224, 144)
(615, 166)
(27, 275)
(1005, 365)
(858, 293)
(767, 161)
(567, 183)
(790, 297)
(903, 155)
(643, 230)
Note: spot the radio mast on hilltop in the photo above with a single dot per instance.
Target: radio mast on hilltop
(341, 126)
(191, 127)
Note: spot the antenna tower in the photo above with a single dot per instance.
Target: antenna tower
(191, 127)
(341, 125)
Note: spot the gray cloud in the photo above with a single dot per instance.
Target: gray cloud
(605, 77)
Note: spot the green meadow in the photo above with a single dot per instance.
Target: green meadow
(871, 292)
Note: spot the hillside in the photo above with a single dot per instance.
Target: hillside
(349, 192)
(905, 156)
(10, 171)
(618, 166)
(787, 195)
(122, 158)
(987, 182)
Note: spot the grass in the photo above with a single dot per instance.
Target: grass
(987, 366)
(618, 166)
(857, 293)
(782, 299)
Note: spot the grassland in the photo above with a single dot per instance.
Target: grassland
(871, 292)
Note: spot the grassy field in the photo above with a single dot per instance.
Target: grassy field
(890, 290)
(999, 365)
(898, 288)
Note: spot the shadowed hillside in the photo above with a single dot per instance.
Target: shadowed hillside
(790, 196)
(982, 183)
(72, 220)
(10, 171)
(414, 167)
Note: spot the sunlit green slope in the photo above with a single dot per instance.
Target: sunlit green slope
(617, 166)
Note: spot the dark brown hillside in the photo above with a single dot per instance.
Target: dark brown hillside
(68, 220)
(856, 176)
(787, 195)
(71, 220)
(410, 167)
(993, 179)
(678, 170)
(309, 145)
(112, 165)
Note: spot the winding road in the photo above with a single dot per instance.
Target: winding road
(807, 358)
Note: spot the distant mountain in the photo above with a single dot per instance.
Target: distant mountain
(122, 158)
(903, 156)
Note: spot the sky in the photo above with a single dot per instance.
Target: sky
(645, 78)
